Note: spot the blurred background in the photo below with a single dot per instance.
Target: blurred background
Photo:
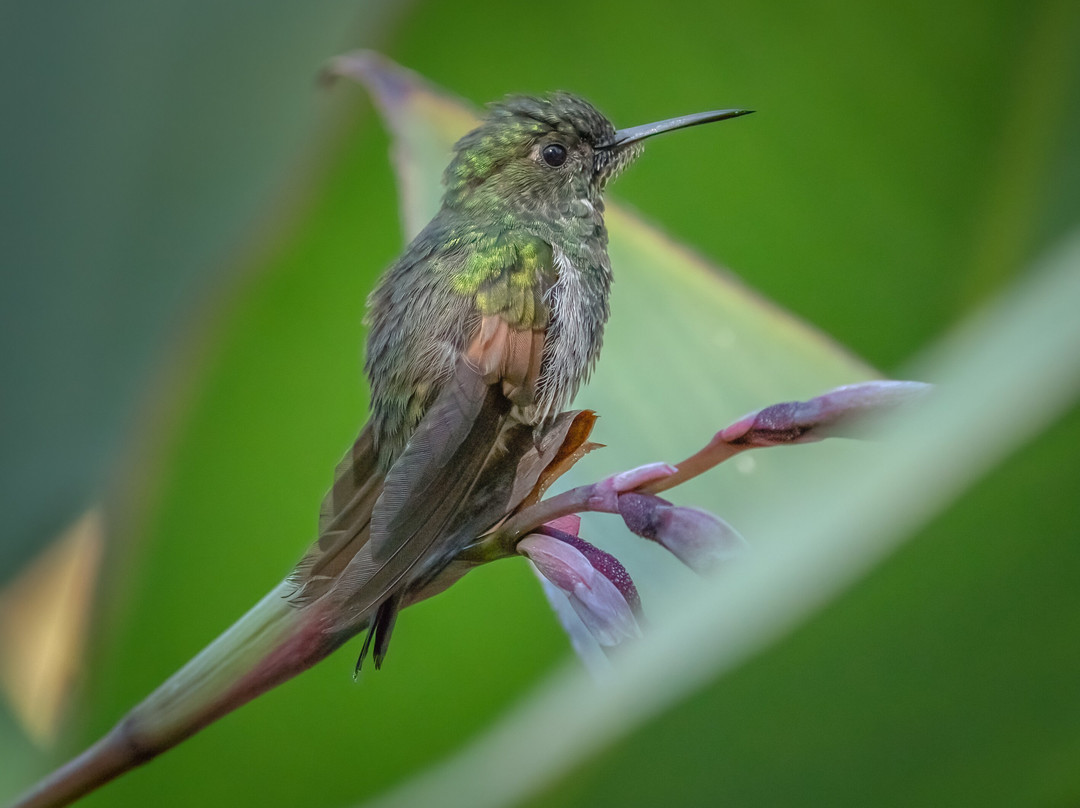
(191, 225)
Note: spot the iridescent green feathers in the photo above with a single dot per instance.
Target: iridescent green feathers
(492, 154)
(508, 219)
(508, 274)
(480, 334)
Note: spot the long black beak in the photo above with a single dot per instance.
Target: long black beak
(624, 137)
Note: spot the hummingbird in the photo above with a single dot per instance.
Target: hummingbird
(480, 334)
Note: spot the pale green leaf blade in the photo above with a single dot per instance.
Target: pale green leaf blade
(155, 143)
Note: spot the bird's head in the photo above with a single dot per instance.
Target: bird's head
(543, 152)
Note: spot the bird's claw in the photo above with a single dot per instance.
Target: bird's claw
(605, 494)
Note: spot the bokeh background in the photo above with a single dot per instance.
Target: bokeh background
(191, 225)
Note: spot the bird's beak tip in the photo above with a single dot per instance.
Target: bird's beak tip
(624, 137)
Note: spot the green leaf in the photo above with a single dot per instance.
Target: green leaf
(150, 142)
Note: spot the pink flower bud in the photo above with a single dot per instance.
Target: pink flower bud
(699, 539)
(596, 584)
(837, 413)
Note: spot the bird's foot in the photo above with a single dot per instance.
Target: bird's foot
(605, 494)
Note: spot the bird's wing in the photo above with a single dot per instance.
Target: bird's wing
(507, 278)
(431, 505)
(455, 477)
(456, 439)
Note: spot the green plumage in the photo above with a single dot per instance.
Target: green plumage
(491, 251)
(480, 334)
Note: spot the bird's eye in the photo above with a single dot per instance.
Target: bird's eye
(554, 154)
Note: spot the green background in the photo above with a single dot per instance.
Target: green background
(905, 163)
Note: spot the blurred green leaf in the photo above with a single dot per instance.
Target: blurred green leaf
(145, 143)
(16, 751)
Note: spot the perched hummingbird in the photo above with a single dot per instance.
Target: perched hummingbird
(480, 334)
